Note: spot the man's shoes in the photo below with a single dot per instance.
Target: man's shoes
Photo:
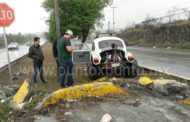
(44, 82)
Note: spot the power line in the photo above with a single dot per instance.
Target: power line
(156, 15)
(158, 11)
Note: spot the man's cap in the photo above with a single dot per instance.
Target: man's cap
(69, 32)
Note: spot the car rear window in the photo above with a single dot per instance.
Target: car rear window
(108, 43)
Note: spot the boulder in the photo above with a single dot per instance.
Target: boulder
(169, 87)
(106, 118)
(146, 83)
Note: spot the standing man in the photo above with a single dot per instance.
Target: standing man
(35, 53)
(65, 59)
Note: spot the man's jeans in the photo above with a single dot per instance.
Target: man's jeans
(66, 71)
(38, 66)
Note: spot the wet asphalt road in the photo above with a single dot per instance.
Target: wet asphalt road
(150, 110)
(14, 55)
(170, 61)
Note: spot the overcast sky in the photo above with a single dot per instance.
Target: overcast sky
(129, 11)
(30, 16)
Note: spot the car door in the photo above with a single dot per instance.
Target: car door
(81, 53)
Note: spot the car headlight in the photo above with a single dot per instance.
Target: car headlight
(96, 60)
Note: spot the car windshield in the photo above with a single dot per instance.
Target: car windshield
(109, 43)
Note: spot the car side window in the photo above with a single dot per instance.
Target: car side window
(93, 47)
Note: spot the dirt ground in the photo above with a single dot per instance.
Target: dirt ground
(23, 70)
(139, 102)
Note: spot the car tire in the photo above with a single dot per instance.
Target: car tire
(92, 72)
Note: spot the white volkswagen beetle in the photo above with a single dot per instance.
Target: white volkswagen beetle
(109, 56)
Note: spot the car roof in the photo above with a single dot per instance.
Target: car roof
(106, 38)
(13, 43)
(99, 35)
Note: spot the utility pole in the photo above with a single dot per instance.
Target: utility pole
(8, 57)
(57, 22)
(108, 26)
(113, 17)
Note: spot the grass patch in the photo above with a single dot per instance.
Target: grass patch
(36, 97)
(5, 110)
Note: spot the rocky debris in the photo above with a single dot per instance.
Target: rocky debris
(68, 113)
(106, 118)
(7, 92)
(123, 83)
(10, 90)
(2, 94)
(146, 83)
(134, 102)
(17, 74)
(6, 99)
(15, 78)
(45, 119)
(172, 88)
(133, 99)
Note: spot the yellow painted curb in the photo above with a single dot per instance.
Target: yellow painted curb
(93, 89)
(21, 94)
(187, 102)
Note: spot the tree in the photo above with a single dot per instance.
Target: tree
(78, 15)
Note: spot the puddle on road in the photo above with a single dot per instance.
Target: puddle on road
(45, 119)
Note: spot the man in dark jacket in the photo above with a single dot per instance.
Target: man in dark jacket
(35, 53)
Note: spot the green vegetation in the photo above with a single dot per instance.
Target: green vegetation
(175, 35)
(78, 15)
(35, 98)
(20, 38)
(5, 110)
